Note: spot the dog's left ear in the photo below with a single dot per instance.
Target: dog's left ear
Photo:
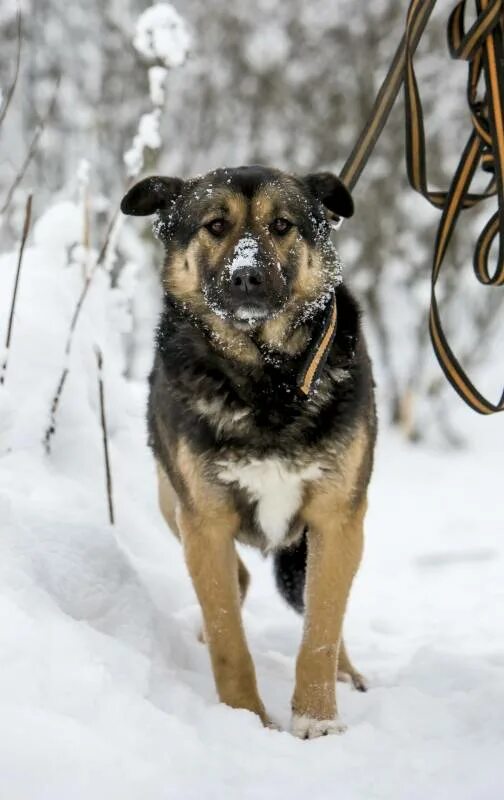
(332, 193)
(151, 195)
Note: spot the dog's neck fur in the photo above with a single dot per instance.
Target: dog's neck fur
(280, 336)
(271, 352)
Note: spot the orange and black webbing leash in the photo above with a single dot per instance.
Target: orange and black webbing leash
(317, 355)
(482, 47)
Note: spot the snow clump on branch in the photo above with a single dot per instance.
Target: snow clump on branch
(162, 35)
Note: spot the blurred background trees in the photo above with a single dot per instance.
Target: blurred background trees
(286, 84)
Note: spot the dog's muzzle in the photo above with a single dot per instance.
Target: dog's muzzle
(248, 294)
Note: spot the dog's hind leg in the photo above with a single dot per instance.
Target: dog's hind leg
(243, 579)
(347, 672)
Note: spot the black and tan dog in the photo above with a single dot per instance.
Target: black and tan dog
(261, 412)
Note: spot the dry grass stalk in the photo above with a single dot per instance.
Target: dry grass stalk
(51, 428)
(108, 475)
(26, 228)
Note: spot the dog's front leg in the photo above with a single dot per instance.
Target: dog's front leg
(334, 552)
(212, 561)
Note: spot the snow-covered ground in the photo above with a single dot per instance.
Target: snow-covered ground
(105, 691)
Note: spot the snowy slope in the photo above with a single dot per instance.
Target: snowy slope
(105, 691)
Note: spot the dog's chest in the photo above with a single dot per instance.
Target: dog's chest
(277, 488)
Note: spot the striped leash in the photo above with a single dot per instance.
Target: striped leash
(482, 47)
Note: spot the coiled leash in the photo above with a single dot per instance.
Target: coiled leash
(482, 47)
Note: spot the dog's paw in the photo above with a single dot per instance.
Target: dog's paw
(272, 724)
(305, 727)
(357, 680)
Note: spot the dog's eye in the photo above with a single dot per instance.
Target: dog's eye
(280, 226)
(217, 227)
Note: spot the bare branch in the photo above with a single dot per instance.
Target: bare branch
(51, 429)
(26, 228)
(12, 87)
(101, 391)
(31, 149)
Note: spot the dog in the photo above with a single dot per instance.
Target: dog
(261, 413)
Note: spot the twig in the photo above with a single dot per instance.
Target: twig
(12, 87)
(101, 390)
(86, 235)
(31, 150)
(26, 228)
(51, 429)
(54, 407)
(108, 235)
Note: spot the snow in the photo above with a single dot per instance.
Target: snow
(267, 48)
(157, 79)
(244, 254)
(161, 33)
(106, 692)
(148, 136)
(60, 227)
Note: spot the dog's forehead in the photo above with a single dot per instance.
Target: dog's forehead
(249, 180)
(262, 188)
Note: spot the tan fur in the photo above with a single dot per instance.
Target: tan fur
(207, 525)
(167, 500)
(277, 334)
(310, 278)
(168, 503)
(183, 278)
(233, 343)
(334, 553)
(335, 540)
(228, 204)
(346, 670)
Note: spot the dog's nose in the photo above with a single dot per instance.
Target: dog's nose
(246, 281)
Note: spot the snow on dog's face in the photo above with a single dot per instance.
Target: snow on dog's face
(249, 243)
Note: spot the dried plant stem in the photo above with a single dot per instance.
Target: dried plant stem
(12, 87)
(51, 428)
(86, 231)
(101, 391)
(54, 407)
(26, 228)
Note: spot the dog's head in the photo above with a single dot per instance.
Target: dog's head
(248, 243)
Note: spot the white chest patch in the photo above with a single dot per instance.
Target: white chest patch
(277, 488)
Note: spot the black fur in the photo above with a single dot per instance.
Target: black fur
(289, 567)
(280, 422)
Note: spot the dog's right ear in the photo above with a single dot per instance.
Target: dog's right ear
(151, 195)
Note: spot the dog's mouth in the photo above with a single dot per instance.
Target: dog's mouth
(251, 312)
(244, 312)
